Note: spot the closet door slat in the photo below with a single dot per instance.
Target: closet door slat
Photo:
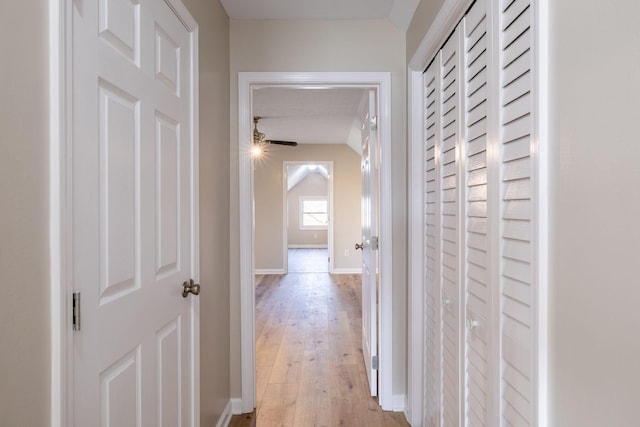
(476, 258)
(516, 214)
(432, 383)
(450, 85)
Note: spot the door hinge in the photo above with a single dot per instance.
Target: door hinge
(76, 311)
(374, 362)
(373, 123)
(375, 243)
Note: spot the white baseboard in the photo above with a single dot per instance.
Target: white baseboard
(347, 271)
(225, 418)
(236, 405)
(307, 246)
(270, 271)
(399, 402)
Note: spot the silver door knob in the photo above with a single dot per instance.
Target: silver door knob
(359, 246)
(190, 287)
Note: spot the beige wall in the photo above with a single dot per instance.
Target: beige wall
(326, 46)
(213, 25)
(423, 18)
(313, 185)
(24, 192)
(595, 208)
(269, 203)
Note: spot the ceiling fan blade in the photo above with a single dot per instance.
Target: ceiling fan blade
(289, 143)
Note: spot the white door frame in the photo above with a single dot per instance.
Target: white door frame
(285, 209)
(445, 22)
(60, 207)
(247, 81)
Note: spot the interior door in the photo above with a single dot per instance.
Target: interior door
(133, 217)
(369, 241)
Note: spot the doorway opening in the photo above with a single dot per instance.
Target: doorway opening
(248, 83)
(308, 216)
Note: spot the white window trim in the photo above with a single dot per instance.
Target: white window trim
(301, 225)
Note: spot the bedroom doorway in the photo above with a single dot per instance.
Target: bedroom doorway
(249, 84)
(308, 216)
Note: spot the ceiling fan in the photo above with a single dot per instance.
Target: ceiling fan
(259, 137)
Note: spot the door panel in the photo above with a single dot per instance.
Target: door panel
(132, 214)
(478, 270)
(119, 171)
(432, 381)
(517, 225)
(168, 195)
(369, 232)
(449, 147)
(120, 392)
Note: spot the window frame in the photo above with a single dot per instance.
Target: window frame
(301, 213)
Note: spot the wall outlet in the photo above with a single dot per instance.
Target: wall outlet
(346, 252)
(315, 235)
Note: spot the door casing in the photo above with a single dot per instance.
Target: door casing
(247, 81)
(60, 206)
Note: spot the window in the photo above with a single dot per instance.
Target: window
(314, 213)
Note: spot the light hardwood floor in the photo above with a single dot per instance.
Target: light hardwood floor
(308, 260)
(310, 370)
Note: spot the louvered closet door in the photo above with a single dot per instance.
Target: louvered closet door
(516, 214)
(432, 382)
(448, 148)
(480, 299)
(477, 256)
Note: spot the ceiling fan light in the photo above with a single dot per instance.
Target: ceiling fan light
(257, 150)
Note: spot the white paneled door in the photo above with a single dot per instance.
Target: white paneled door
(369, 244)
(480, 355)
(133, 215)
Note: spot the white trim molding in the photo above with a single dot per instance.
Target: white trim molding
(236, 406)
(225, 417)
(307, 246)
(541, 162)
(445, 22)
(399, 401)
(347, 271)
(415, 316)
(247, 81)
(262, 271)
(59, 209)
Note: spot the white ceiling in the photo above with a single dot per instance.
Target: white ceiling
(399, 12)
(310, 116)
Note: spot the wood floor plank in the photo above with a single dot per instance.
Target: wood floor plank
(310, 368)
